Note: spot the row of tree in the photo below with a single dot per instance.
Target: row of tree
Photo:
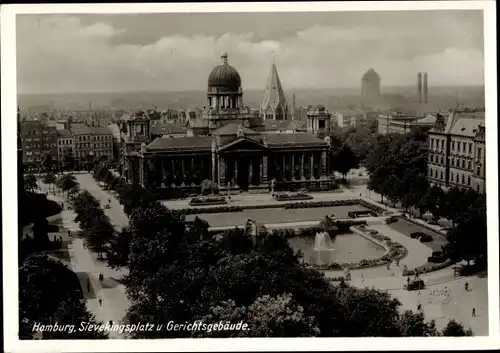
(179, 271)
(49, 292)
(398, 171)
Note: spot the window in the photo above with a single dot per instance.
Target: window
(453, 145)
(468, 180)
(452, 161)
(442, 144)
(458, 146)
(451, 176)
(479, 150)
(477, 188)
(432, 143)
(478, 170)
(470, 147)
(464, 146)
(463, 163)
(441, 177)
(457, 178)
(470, 165)
(463, 179)
(442, 160)
(431, 157)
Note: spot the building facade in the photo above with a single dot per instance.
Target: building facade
(92, 142)
(65, 146)
(39, 142)
(228, 146)
(457, 154)
(399, 123)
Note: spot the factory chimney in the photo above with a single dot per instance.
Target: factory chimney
(293, 107)
(425, 87)
(419, 87)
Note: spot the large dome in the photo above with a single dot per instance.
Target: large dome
(225, 76)
(371, 75)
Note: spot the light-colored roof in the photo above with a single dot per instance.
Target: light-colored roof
(273, 96)
(466, 126)
(90, 130)
(64, 133)
(232, 129)
(428, 120)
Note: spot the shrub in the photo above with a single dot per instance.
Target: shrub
(425, 238)
(200, 201)
(437, 259)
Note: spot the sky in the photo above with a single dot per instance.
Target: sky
(175, 52)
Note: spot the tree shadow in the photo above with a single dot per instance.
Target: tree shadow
(84, 279)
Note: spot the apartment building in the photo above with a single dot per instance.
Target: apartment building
(400, 123)
(65, 145)
(96, 141)
(457, 154)
(38, 140)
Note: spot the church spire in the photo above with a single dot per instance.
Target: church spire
(273, 105)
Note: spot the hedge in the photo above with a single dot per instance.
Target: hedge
(427, 268)
(206, 201)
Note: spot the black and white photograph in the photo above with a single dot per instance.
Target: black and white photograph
(191, 172)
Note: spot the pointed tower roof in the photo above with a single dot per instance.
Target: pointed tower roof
(273, 97)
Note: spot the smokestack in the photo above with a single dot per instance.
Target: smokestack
(425, 87)
(419, 85)
(293, 107)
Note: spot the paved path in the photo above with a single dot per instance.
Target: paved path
(86, 265)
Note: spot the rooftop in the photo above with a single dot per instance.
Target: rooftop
(232, 129)
(168, 129)
(64, 133)
(297, 139)
(194, 143)
(466, 126)
(90, 130)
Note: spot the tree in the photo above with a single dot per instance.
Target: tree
(49, 179)
(343, 160)
(119, 248)
(455, 329)
(30, 183)
(47, 162)
(68, 161)
(208, 186)
(430, 200)
(49, 292)
(413, 325)
(66, 182)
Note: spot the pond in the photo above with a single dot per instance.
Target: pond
(343, 248)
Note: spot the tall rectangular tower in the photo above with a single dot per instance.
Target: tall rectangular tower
(425, 87)
(419, 87)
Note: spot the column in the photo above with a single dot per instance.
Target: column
(324, 171)
(163, 171)
(312, 166)
(293, 166)
(284, 167)
(264, 170)
(172, 166)
(250, 171)
(183, 172)
(222, 171)
(141, 172)
(302, 166)
(214, 167)
(235, 173)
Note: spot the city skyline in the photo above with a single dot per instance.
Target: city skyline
(175, 52)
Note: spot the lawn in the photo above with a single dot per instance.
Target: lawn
(406, 227)
(276, 215)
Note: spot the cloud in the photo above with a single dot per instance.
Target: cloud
(62, 54)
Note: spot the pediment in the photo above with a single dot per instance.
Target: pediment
(243, 144)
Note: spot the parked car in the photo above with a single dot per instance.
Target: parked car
(415, 285)
(391, 219)
(373, 232)
(432, 222)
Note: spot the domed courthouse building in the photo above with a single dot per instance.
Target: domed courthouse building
(229, 145)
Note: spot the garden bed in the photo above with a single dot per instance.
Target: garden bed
(291, 196)
(428, 268)
(208, 201)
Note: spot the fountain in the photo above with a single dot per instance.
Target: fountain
(323, 242)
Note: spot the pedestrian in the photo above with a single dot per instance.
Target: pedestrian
(473, 312)
(419, 307)
(362, 278)
(110, 322)
(466, 286)
(408, 279)
(100, 302)
(397, 262)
